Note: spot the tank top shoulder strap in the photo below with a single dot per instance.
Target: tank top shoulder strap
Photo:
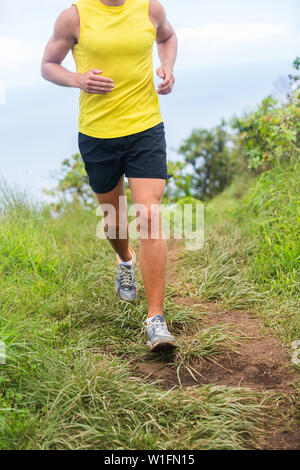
(86, 9)
(141, 8)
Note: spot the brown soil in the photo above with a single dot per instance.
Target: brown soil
(260, 364)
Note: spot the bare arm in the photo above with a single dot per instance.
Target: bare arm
(66, 31)
(166, 45)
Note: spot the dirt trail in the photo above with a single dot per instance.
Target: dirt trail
(260, 363)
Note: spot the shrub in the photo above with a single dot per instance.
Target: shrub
(270, 135)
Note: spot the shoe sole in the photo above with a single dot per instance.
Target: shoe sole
(126, 300)
(164, 346)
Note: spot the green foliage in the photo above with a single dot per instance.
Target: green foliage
(296, 63)
(273, 207)
(270, 135)
(251, 257)
(213, 161)
(181, 183)
(64, 385)
(294, 95)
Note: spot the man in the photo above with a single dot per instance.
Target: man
(120, 126)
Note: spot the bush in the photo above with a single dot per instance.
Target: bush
(211, 156)
(270, 135)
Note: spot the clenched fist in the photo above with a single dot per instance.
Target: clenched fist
(166, 86)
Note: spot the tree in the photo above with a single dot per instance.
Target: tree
(294, 95)
(180, 185)
(213, 160)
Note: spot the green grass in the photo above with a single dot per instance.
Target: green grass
(273, 206)
(70, 381)
(251, 257)
(67, 383)
(78, 401)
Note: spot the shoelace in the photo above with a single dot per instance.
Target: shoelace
(126, 277)
(159, 327)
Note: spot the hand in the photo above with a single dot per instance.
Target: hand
(166, 86)
(91, 82)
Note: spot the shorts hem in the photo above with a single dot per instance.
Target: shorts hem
(106, 190)
(151, 177)
(137, 177)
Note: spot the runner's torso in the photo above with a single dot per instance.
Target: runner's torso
(118, 41)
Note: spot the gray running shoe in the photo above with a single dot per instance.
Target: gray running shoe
(125, 283)
(159, 337)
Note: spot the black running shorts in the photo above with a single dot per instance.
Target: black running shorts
(141, 155)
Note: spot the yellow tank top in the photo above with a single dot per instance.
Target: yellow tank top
(119, 42)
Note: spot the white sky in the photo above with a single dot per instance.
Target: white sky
(230, 54)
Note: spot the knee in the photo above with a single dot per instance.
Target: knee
(149, 221)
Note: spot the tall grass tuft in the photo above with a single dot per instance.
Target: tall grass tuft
(61, 387)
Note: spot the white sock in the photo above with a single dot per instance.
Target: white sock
(149, 320)
(127, 263)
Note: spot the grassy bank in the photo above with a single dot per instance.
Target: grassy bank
(251, 259)
(252, 251)
(69, 381)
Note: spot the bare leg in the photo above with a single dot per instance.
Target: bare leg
(153, 252)
(121, 246)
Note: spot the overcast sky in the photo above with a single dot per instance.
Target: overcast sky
(230, 55)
